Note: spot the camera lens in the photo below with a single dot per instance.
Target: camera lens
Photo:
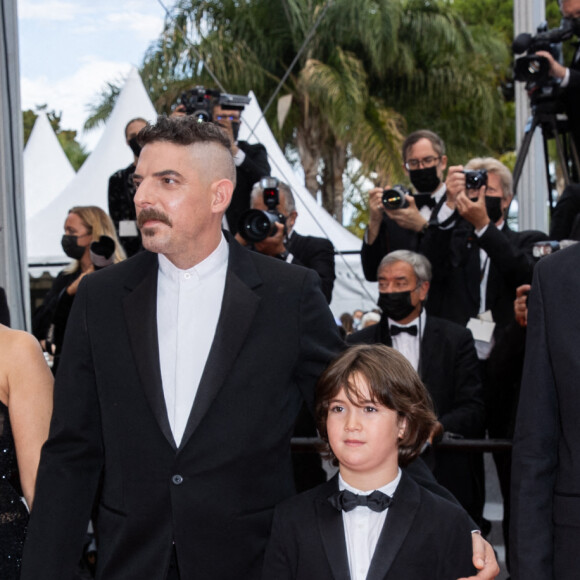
(395, 198)
(256, 225)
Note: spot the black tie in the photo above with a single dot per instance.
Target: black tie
(347, 501)
(412, 330)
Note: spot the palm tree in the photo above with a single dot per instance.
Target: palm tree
(371, 65)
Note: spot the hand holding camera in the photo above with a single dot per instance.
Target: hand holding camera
(470, 201)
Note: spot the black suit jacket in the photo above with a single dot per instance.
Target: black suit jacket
(450, 370)
(315, 253)
(214, 495)
(254, 167)
(424, 536)
(545, 516)
(454, 254)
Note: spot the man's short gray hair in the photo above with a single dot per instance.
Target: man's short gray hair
(290, 205)
(420, 264)
(498, 168)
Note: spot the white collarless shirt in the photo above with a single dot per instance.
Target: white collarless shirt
(188, 308)
(362, 528)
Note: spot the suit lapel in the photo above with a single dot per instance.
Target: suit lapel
(331, 528)
(427, 349)
(140, 307)
(397, 526)
(239, 307)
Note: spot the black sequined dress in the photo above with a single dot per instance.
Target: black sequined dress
(13, 513)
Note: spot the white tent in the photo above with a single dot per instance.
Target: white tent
(351, 290)
(47, 170)
(90, 185)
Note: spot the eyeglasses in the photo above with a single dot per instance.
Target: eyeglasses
(425, 162)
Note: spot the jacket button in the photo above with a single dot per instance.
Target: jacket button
(177, 479)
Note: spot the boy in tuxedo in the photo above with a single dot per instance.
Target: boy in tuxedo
(371, 521)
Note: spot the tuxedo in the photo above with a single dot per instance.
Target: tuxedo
(211, 499)
(317, 254)
(253, 168)
(449, 368)
(545, 524)
(454, 254)
(424, 536)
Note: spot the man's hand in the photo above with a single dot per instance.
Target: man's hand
(483, 559)
(455, 184)
(473, 211)
(408, 218)
(272, 245)
(376, 213)
(556, 69)
(521, 304)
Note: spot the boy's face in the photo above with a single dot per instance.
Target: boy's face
(364, 437)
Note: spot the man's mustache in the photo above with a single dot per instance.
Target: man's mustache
(153, 214)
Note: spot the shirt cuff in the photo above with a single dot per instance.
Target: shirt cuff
(239, 157)
(482, 231)
(564, 82)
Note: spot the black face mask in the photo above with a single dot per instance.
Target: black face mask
(425, 180)
(236, 129)
(135, 147)
(493, 207)
(71, 247)
(396, 305)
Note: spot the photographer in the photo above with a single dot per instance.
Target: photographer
(122, 192)
(308, 251)
(569, 77)
(424, 161)
(251, 160)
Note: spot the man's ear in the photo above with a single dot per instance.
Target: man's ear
(402, 427)
(423, 291)
(222, 195)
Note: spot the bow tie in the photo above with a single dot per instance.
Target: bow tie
(346, 500)
(412, 330)
(424, 199)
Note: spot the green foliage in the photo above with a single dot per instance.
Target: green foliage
(74, 151)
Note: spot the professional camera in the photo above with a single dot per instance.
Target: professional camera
(535, 70)
(394, 198)
(475, 179)
(200, 102)
(256, 225)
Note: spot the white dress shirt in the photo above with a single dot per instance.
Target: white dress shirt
(410, 346)
(362, 528)
(188, 307)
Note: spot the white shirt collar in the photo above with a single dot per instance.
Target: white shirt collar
(205, 268)
(389, 488)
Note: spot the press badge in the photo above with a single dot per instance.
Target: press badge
(482, 327)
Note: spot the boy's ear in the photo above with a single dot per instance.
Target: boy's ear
(402, 427)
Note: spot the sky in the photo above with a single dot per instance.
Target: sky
(69, 49)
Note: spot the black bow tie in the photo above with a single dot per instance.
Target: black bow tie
(424, 199)
(412, 330)
(346, 500)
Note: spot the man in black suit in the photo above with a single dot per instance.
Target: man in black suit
(286, 244)
(122, 191)
(569, 77)
(251, 164)
(481, 263)
(444, 355)
(177, 393)
(545, 524)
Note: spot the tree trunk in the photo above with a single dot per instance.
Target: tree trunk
(310, 159)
